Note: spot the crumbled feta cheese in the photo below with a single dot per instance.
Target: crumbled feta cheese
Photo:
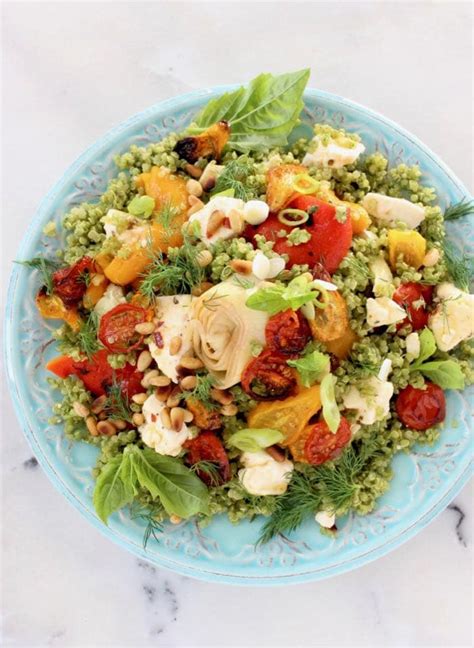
(413, 344)
(385, 370)
(256, 212)
(393, 210)
(175, 313)
(453, 320)
(112, 297)
(263, 475)
(332, 154)
(220, 203)
(370, 399)
(383, 311)
(325, 519)
(115, 222)
(383, 277)
(162, 439)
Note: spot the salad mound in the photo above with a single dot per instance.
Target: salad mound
(249, 326)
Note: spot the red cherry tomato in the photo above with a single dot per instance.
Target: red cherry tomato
(408, 293)
(287, 332)
(322, 445)
(330, 239)
(208, 447)
(71, 283)
(117, 328)
(421, 408)
(268, 377)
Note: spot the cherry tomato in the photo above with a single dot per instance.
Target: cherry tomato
(287, 332)
(408, 293)
(117, 328)
(268, 377)
(330, 239)
(322, 445)
(71, 283)
(208, 447)
(421, 408)
(97, 375)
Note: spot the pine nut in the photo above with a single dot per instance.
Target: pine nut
(162, 393)
(193, 210)
(188, 382)
(216, 220)
(241, 266)
(188, 416)
(98, 404)
(275, 453)
(119, 424)
(145, 328)
(187, 362)
(194, 188)
(160, 381)
(175, 345)
(229, 410)
(174, 398)
(102, 416)
(431, 258)
(106, 428)
(139, 399)
(165, 417)
(80, 409)
(236, 221)
(144, 360)
(193, 171)
(204, 258)
(148, 376)
(177, 418)
(201, 288)
(175, 519)
(91, 426)
(138, 419)
(193, 201)
(221, 396)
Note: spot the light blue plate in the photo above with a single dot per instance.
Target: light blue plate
(425, 481)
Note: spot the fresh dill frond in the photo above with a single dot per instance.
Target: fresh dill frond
(148, 514)
(202, 391)
(212, 301)
(166, 218)
(46, 267)
(458, 266)
(117, 405)
(357, 268)
(233, 177)
(459, 210)
(210, 469)
(87, 336)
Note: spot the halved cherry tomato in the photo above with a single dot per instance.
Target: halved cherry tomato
(421, 408)
(322, 445)
(330, 239)
(268, 377)
(117, 328)
(408, 293)
(208, 447)
(71, 283)
(287, 332)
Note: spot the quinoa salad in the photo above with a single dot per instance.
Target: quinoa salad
(255, 325)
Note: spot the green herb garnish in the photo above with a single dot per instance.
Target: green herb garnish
(87, 336)
(311, 367)
(46, 267)
(331, 413)
(202, 392)
(445, 373)
(278, 297)
(254, 439)
(233, 178)
(459, 210)
(459, 267)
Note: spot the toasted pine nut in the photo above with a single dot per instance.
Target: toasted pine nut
(193, 171)
(139, 399)
(177, 418)
(80, 409)
(175, 519)
(188, 416)
(98, 404)
(102, 416)
(160, 381)
(106, 428)
(188, 382)
(144, 360)
(275, 453)
(241, 266)
(165, 417)
(221, 396)
(198, 290)
(216, 220)
(192, 210)
(204, 258)
(187, 362)
(175, 345)
(194, 200)
(174, 398)
(91, 425)
(431, 258)
(229, 410)
(153, 373)
(236, 221)
(119, 424)
(138, 419)
(194, 188)
(162, 393)
(145, 328)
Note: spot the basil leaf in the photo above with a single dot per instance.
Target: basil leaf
(275, 298)
(331, 413)
(110, 492)
(255, 439)
(311, 367)
(128, 474)
(445, 373)
(427, 345)
(180, 491)
(261, 115)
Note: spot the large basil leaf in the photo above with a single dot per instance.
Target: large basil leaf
(445, 373)
(111, 492)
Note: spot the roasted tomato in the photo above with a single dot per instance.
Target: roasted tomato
(208, 144)
(204, 418)
(322, 445)
(420, 409)
(71, 283)
(287, 332)
(407, 295)
(117, 328)
(208, 447)
(332, 322)
(268, 377)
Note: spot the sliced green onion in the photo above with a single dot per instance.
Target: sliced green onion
(227, 192)
(305, 184)
(292, 217)
(331, 413)
(141, 206)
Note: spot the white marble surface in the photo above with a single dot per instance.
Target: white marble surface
(71, 71)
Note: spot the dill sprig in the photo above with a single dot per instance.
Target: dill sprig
(209, 468)
(459, 210)
(233, 177)
(202, 391)
(148, 514)
(458, 266)
(46, 267)
(87, 336)
(117, 405)
(166, 218)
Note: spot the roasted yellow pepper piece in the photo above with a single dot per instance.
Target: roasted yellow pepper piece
(410, 244)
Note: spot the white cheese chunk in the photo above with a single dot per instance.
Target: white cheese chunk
(220, 203)
(265, 268)
(393, 210)
(325, 519)
(370, 399)
(162, 439)
(115, 222)
(383, 311)
(175, 314)
(256, 212)
(332, 154)
(112, 297)
(453, 320)
(383, 277)
(263, 475)
(413, 344)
